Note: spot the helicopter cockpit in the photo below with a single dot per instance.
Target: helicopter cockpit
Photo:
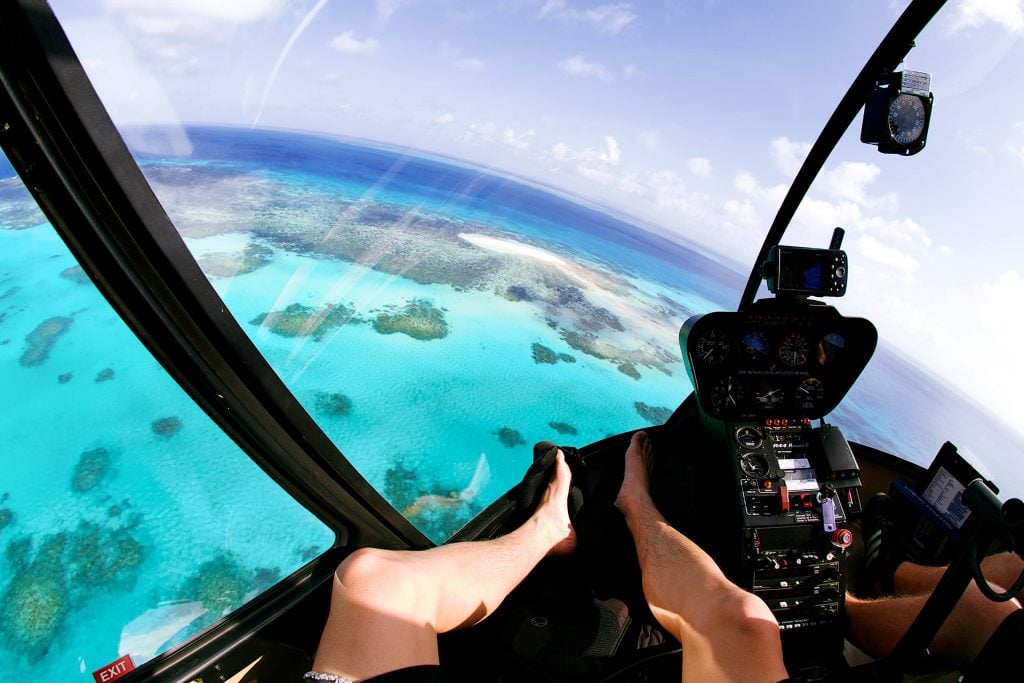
(284, 279)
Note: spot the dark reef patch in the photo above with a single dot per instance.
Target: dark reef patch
(563, 428)
(655, 415)
(104, 375)
(309, 552)
(229, 264)
(37, 601)
(166, 426)
(335, 403)
(39, 342)
(11, 291)
(510, 438)
(102, 557)
(418, 319)
(93, 466)
(297, 320)
(6, 518)
(76, 275)
(519, 293)
(629, 370)
(64, 378)
(542, 354)
(220, 585)
(436, 508)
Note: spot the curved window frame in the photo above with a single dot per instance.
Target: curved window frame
(61, 141)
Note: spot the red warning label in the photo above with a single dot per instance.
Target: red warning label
(114, 670)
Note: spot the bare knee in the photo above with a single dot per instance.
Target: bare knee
(741, 619)
(382, 580)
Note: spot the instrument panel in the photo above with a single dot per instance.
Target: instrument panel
(777, 358)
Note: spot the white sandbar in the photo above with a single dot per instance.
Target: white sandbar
(510, 247)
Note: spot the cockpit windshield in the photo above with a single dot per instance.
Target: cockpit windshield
(454, 229)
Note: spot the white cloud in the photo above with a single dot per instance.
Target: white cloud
(699, 166)
(850, 179)
(946, 249)
(974, 13)
(347, 43)
(445, 118)
(789, 155)
(1001, 297)
(609, 18)
(746, 183)
(611, 154)
(578, 66)
(901, 264)
(519, 141)
(562, 152)
(741, 214)
(483, 132)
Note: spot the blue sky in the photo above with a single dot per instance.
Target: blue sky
(690, 115)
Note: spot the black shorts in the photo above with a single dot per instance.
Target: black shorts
(1001, 652)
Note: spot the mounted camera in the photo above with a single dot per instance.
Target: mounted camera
(803, 271)
(897, 114)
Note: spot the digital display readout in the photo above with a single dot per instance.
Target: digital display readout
(801, 480)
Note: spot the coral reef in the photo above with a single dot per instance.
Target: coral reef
(39, 342)
(629, 370)
(220, 584)
(335, 403)
(64, 378)
(229, 264)
(519, 293)
(309, 552)
(9, 292)
(510, 438)
(653, 414)
(105, 375)
(563, 428)
(100, 557)
(76, 275)
(36, 602)
(6, 518)
(297, 320)
(93, 465)
(166, 426)
(542, 354)
(418, 319)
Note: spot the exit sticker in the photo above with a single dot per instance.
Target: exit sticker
(114, 670)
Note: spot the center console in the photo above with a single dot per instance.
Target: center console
(761, 377)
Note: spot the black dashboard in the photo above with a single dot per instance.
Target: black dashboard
(775, 359)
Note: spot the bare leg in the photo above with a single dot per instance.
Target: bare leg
(875, 626)
(727, 634)
(388, 606)
(914, 579)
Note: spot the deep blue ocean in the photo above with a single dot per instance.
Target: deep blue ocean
(432, 362)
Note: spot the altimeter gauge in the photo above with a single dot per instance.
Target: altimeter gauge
(713, 347)
(907, 117)
(809, 394)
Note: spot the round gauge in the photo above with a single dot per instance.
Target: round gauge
(749, 437)
(756, 345)
(713, 347)
(810, 393)
(830, 348)
(754, 465)
(906, 119)
(768, 398)
(794, 349)
(726, 393)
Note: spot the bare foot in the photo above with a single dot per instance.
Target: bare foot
(636, 478)
(553, 510)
